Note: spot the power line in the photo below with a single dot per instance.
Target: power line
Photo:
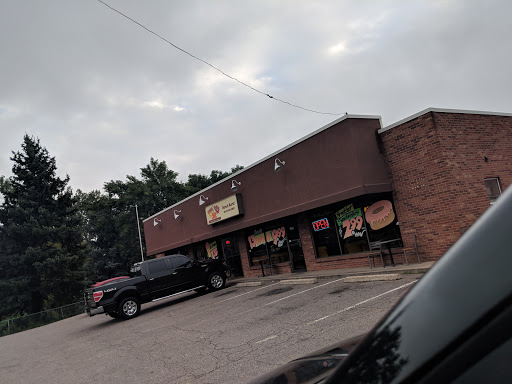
(214, 67)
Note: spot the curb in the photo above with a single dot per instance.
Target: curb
(249, 284)
(364, 278)
(345, 274)
(312, 280)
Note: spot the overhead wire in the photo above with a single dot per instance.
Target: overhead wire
(212, 66)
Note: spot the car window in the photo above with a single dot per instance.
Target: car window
(157, 266)
(180, 261)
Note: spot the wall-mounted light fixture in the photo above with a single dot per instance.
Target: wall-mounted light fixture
(234, 185)
(202, 200)
(175, 214)
(278, 164)
(156, 221)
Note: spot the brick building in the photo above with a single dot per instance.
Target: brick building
(327, 200)
(440, 161)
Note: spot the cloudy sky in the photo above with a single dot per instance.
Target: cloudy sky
(104, 95)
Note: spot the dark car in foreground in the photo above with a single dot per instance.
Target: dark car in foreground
(154, 280)
(454, 325)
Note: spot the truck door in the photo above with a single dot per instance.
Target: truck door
(160, 277)
(187, 273)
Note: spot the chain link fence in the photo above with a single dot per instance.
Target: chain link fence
(34, 320)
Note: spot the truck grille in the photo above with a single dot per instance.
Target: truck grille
(89, 298)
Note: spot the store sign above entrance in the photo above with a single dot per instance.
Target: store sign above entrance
(224, 209)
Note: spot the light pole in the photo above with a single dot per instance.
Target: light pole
(138, 226)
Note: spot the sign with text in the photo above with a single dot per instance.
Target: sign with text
(224, 209)
(350, 221)
(275, 236)
(320, 224)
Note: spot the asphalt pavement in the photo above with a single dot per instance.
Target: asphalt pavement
(229, 336)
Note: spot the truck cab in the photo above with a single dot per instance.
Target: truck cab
(153, 280)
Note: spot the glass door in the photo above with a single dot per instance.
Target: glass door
(231, 255)
(295, 248)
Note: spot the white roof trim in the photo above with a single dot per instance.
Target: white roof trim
(344, 117)
(442, 110)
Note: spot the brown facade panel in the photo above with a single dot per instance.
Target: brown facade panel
(337, 163)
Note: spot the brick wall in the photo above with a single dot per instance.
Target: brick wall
(438, 166)
(244, 257)
(306, 241)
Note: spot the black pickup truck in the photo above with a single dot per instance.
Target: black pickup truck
(153, 280)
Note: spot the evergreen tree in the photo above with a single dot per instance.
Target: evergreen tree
(41, 251)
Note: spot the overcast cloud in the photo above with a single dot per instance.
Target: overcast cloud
(104, 95)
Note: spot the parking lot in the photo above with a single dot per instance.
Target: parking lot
(229, 336)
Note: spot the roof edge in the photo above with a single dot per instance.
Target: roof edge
(441, 110)
(328, 125)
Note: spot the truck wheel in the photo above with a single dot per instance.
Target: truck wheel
(216, 281)
(129, 308)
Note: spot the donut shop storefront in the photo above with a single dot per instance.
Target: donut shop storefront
(316, 204)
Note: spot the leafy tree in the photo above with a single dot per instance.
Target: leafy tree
(197, 182)
(109, 220)
(100, 230)
(41, 252)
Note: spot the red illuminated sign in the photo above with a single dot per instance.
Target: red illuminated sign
(320, 224)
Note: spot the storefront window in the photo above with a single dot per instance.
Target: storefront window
(268, 242)
(200, 251)
(352, 229)
(212, 249)
(348, 227)
(382, 221)
(276, 243)
(324, 234)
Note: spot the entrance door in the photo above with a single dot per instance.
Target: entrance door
(298, 262)
(231, 255)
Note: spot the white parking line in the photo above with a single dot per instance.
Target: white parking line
(306, 290)
(287, 297)
(246, 293)
(361, 303)
(267, 339)
(338, 312)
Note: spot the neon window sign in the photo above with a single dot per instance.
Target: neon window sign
(320, 224)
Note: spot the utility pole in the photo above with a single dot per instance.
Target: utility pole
(138, 226)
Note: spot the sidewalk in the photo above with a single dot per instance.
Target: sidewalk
(400, 269)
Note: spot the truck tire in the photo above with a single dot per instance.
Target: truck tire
(216, 281)
(128, 308)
